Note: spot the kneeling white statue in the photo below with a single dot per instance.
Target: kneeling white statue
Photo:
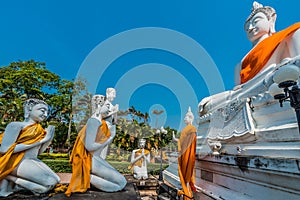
(139, 159)
(21, 143)
(88, 166)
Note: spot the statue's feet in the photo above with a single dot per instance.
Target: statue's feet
(137, 177)
(6, 188)
(5, 193)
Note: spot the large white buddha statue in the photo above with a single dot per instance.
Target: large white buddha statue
(248, 113)
(21, 143)
(269, 47)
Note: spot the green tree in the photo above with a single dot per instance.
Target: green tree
(138, 115)
(81, 108)
(133, 125)
(129, 131)
(30, 79)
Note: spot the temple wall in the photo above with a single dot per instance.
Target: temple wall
(238, 177)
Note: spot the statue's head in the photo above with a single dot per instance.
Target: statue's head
(142, 143)
(35, 110)
(110, 94)
(97, 102)
(189, 117)
(261, 21)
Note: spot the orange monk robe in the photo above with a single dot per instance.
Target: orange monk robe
(28, 135)
(262, 52)
(81, 160)
(139, 163)
(186, 160)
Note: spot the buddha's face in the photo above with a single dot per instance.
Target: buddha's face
(105, 109)
(38, 112)
(99, 100)
(111, 95)
(188, 119)
(258, 26)
(142, 144)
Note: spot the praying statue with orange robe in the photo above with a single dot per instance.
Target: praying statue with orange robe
(269, 47)
(21, 143)
(187, 156)
(139, 159)
(88, 166)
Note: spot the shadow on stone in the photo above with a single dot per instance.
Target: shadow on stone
(128, 193)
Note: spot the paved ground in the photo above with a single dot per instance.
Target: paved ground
(130, 192)
(134, 190)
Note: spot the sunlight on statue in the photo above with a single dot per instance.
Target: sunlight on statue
(139, 159)
(88, 166)
(21, 143)
(269, 47)
(248, 112)
(247, 124)
(110, 118)
(187, 156)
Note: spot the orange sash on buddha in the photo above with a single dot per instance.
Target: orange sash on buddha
(186, 160)
(81, 160)
(262, 52)
(139, 163)
(29, 135)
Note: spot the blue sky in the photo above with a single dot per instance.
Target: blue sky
(159, 54)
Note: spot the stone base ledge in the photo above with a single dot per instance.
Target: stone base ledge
(254, 177)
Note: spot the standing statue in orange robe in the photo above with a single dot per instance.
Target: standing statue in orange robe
(21, 143)
(269, 47)
(88, 166)
(187, 156)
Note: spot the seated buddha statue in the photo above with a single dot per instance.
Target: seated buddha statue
(269, 47)
(245, 110)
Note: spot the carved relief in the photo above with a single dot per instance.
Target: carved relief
(232, 120)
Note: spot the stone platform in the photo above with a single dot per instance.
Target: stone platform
(130, 192)
(134, 190)
(147, 188)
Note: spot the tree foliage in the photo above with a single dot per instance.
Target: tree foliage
(81, 103)
(81, 109)
(70, 106)
(30, 79)
(133, 125)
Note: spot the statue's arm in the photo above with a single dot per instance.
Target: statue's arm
(294, 47)
(147, 157)
(11, 134)
(47, 140)
(132, 156)
(174, 137)
(112, 113)
(133, 159)
(237, 78)
(91, 131)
